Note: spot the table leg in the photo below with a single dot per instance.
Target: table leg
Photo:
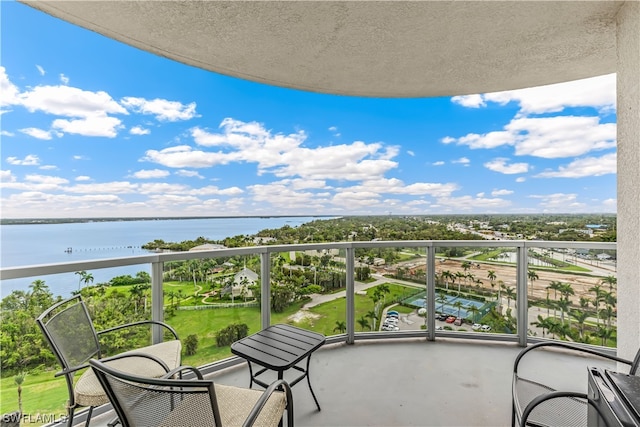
(250, 374)
(309, 382)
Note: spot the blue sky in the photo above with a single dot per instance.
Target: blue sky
(92, 127)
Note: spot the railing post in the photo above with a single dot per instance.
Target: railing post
(157, 301)
(431, 293)
(351, 295)
(265, 289)
(522, 313)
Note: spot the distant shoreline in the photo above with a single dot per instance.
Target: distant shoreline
(33, 221)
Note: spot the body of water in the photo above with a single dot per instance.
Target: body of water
(36, 244)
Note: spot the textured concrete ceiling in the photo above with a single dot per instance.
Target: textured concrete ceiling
(382, 49)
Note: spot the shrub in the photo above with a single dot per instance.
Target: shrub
(231, 333)
(191, 345)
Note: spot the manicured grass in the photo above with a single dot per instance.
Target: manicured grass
(41, 394)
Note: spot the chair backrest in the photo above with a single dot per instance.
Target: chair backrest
(69, 330)
(144, 401)
(634, 366)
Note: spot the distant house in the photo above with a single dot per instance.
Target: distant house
(242, 282)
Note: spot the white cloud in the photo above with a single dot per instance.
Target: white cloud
(29, 160)
(80, 157)
(396, 186)
(64, 79)
(69, 102)
(8, 91)
(38, 133)
(503, 192)
(333, 129)
(471, 101)
(7, 133)
(470, 203)
(82, 178)
(559, 202)
(521, 179)
(588, 166)
(105, 126)
(118, 187)
(48, 167)
(188, 174)
(7, 176)
(40, 70)
(139, 130)
(438, 163)
(597, 92)
(500, 165)
(411, 153)
(279, 154)
(162, 109)
(462, 160)
(150, 174)
(481, 194)
(548, 137)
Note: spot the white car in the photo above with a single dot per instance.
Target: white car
(389, 327)
(485, 328)
(476, 326)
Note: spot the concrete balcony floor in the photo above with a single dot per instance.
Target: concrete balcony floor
(414, 382)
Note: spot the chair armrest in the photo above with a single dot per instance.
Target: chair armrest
(257, 408)
(566, 346)
(554, 395)
(142, 322)
(179, 369)
(135, 354)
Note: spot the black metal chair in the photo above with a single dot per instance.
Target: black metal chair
(70, 332)
(168, 402)
(535, 403)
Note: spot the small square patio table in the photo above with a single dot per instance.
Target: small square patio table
(279, 348)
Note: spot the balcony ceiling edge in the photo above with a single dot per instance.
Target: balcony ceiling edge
(377, 49)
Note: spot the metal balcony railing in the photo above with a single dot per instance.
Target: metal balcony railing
(157, 261)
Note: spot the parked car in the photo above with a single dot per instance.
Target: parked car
(441, 316)
(476, 326)
(458, 321)
(392, 313)
(438, 328)
(390, 321)
(451, 319)
(390, 327)
(485, 328)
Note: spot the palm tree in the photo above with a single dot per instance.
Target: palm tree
(442, 299)
(458, 304)
(340, 326)
(19, 380)
(491, 275)
(384, 289)
(372, 315)
(533, 276)
(609, 280)
(510, 293)
(471, 308)
(604, 334)
(364, 323)
(460, 275)
(580, 316)
(555, 286)
(597, 290)
(544, 323)
(446, 276)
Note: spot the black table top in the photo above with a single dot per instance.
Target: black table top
(278, 347)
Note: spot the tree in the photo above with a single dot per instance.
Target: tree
(533, 276)
(364, 323)
(442, 299)
(19, 380)
(544, 323)
(471, 308)
(84, 277)
(609, 280)
(458, 304)
(191, 345)
(340, 327)
(372, 315)
(491, 275)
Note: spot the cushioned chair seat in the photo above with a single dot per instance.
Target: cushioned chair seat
(89, 392)
(234, 403)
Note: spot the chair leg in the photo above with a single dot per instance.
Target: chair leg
(114, 422)
(70, 410)
(86, 423)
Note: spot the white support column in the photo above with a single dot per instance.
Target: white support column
(628, 114)
(157, 301)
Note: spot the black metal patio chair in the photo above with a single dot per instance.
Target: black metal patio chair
(535, 403)
(69, 330)
(168, 402)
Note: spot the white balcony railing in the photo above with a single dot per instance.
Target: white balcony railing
(157, 261)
